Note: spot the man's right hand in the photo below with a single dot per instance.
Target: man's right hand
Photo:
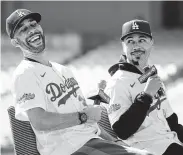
(153, 84)
(93, 113)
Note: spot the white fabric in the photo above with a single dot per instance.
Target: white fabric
(55, 90)
(154, 134)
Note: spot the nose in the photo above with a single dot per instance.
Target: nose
(136, 47)
(31, 31)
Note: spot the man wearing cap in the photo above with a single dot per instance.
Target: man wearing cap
(48, 95)
(137, 114)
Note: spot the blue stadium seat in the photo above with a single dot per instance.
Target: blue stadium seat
(23, 136)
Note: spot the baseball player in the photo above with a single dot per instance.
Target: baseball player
(48, 95)
(137, 114)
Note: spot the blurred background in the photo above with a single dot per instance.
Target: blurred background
(84, 35)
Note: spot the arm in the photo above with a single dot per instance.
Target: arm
(172, 118)
(50, 121)
(130, 121)
(175, 126)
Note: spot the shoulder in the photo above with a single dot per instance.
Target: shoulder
(23, 72)
(23, 68)
(60, 67)
(121, 78)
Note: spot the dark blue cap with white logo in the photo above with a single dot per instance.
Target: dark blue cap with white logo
(17, 17)
(136, 26)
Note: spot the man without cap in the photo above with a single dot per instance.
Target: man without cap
(138, 115)
(48, 95)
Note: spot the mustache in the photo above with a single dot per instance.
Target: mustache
(37, 32)
(138, 51)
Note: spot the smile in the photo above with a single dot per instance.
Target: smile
(138, 53)
(34, 38)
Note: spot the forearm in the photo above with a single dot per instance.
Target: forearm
(50, 121)
(174, 126)
(54, 121)
(132, 119)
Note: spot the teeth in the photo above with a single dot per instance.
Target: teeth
(137, 53)
(34, 38)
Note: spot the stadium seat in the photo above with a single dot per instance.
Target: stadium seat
(104, 122)
(23, 136)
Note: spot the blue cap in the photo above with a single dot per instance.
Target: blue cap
(136, 26)
(17, 17)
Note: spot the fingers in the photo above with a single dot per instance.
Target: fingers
(154, 77)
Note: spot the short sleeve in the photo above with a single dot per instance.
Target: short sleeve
(119, 100)
(167, 108)
(28, 94)
(168, 111)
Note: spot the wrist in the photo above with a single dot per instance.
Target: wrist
(117, 140)
(144, 98)
(82, 117)
(146, 93)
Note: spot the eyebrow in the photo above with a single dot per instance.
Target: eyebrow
(21, 24)
(129, 37)
(143, 36)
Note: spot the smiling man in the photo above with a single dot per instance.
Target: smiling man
(48, 95)
(136, 113)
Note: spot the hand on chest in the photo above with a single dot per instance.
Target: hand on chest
(136, 88)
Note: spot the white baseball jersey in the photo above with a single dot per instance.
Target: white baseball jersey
(154, 135)
(55, 90)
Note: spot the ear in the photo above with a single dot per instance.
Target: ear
(15, 42)
(124, 48)
(152, 41)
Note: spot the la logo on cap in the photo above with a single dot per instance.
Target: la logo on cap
(20, 13)
(135, 26)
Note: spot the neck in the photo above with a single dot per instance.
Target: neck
(40, 57)
(140, 66)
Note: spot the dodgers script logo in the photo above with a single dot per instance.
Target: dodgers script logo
(25, 97)
(58, 90)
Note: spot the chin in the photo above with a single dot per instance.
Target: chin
(37, 50)
(41, 50)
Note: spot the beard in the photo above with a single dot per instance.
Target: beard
(31, 47)
(136, 63)
(139, 60)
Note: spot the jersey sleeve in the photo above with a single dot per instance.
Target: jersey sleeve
(28, 94)
(168, 111)
(167, 108)
(119, 100)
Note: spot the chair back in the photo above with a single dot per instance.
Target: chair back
(104, 122)
(23, 136)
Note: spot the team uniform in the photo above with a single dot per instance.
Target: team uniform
(151, 131)
(55, 89)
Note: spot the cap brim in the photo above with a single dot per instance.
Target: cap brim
(35, 16)
(139, 32)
